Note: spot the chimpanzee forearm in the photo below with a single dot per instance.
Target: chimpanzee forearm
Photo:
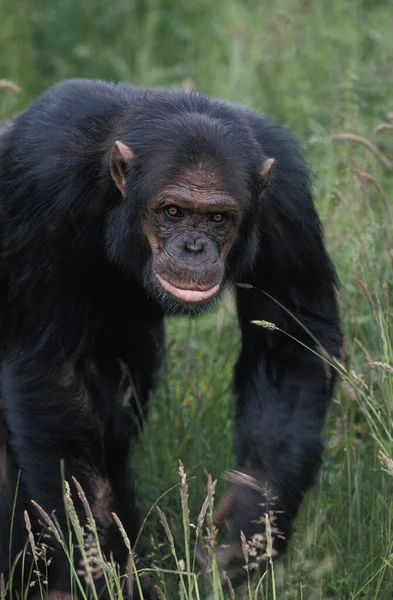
(51, 418)
(48, 422)
(283, 391)
(279, 434)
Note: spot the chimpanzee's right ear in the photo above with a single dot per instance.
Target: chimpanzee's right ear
(122, 157)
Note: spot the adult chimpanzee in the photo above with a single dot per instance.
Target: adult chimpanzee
(118, 206)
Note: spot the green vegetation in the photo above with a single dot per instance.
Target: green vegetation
(324, 68)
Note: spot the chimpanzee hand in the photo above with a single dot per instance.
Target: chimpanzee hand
(260, 526)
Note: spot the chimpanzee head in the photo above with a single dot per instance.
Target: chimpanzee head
(192, 209)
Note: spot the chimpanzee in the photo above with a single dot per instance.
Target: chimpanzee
(120, 205)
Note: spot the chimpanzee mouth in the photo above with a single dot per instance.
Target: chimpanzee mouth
(188, 296)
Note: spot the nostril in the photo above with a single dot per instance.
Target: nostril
(194, 246)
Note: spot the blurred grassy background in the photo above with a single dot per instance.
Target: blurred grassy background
(322, 68)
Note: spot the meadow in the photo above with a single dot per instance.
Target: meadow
(325, 69)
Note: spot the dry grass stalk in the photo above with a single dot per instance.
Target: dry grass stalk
(122, 531)
(51, 525)
(85, 503)
(245, 286)
(205, 505)
(385, 298)
(362, 286)
(164, 523)
(229, 586)
(184, 501)
(348, 207)
(266, 325)
(382, 126)
(350, 137)
(269, 538)
(10, 85)
(363, 190)
(387, 463)
(365, 175)
(30, 535)
(363, 349)
(206, 549)
(2, 587)
(244, 548)
(130, 569)
(381, 365)
(69, 504)
(210, 502)
(92, 563)
(131, 562)
(359, 379)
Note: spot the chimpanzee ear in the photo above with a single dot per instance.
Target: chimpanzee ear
(264, 169)
(122, 157)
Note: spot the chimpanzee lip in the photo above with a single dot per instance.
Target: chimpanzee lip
(189, 296)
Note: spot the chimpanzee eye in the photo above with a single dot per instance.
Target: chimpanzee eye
(218, 218)
(174, 211)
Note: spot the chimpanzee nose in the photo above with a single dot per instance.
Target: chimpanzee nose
(194, 246)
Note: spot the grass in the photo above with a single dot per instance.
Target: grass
(324, 68)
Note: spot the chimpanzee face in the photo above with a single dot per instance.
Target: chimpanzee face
(191, 226)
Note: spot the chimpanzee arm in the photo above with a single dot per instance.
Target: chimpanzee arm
(51, 418)
(283, 391)
(283, 386)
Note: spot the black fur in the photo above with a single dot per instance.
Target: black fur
(79, 312)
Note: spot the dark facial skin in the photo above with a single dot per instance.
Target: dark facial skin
(191, 226)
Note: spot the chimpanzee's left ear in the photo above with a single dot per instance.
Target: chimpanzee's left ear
(122, 157)
(265, 168)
